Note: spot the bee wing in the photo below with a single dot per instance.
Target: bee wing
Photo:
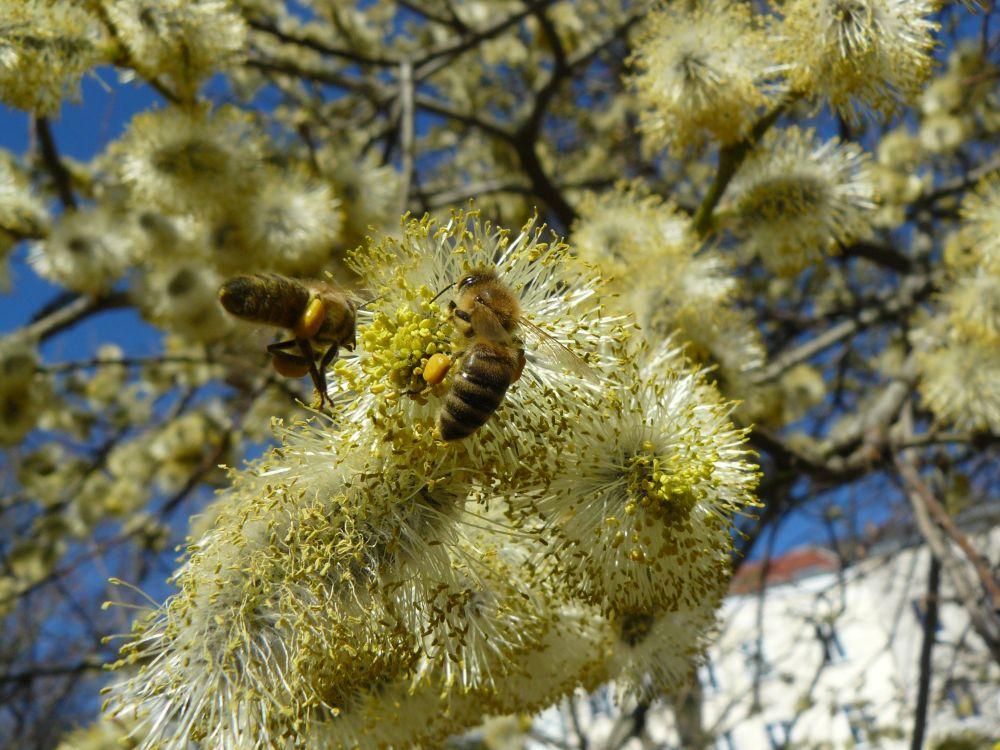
(557, 351)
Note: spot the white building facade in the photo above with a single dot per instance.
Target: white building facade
(831, 659)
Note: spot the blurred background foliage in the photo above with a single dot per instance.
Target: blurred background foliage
(819, 224)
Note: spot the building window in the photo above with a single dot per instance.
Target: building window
(833, 649)
(778, 734)
(708, 679)
(920, 612)
(754, 659)
(725, 741)
(860, 723)
(961, 697)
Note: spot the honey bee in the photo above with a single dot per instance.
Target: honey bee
(488, 314)
(320, 317)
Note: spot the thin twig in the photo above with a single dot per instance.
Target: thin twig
(956, 185)
(85, 364)
(926, 651)
(406, 138)
(305, 38)
(41, 672)
(942, 519)
(581, 736)
(984, 620)
(445, 53)
(461, 194)
(453, 22)
(883, 254)
(730, 159)
(888, 304)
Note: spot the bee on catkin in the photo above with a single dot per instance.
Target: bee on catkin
(487, 314)
(489, 327)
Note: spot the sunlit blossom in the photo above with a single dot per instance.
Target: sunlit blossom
(796, 197)
(858, 54)
(703, 70)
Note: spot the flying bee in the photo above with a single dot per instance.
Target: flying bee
(320, 317)
(488, 315)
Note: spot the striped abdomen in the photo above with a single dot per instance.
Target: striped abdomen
(265, 298)
(486, 372)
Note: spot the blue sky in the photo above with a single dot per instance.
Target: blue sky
(82, 130)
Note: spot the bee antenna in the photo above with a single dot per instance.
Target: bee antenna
(376, 299)
(365, 304)
(442, 291)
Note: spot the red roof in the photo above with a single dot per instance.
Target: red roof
(792, 566)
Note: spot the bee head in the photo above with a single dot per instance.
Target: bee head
(476, 276)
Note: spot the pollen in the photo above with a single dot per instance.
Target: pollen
(666, 488)
(401, 343)
(436, 368)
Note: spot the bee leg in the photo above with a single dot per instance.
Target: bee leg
(328, 356)
(465, 318)
(318, 376)
(280, 345)
(521, 361)
(311, 319)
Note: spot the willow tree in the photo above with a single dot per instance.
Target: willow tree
(752, 256)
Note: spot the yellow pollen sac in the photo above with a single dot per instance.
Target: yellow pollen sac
(436, 368)
(289, 367)
(311, 319)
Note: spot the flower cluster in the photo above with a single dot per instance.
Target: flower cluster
(958, 349)
(22, 214)
(955, 108)
(191, 199)
(182, 40)
(366, 574)
(668, 279)
(23, 393)
(796, 197)
(703, 69)
(857, 54)
(87, 251)
(45, 48)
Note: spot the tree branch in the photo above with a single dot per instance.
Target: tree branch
(887, 305)
(307, 39)
(942, 519)
(406, 142)
(884, 255)
(76, 309)
(926, 651)
(984, 620)
(50, 155)
(730, 159)
(444, 54)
